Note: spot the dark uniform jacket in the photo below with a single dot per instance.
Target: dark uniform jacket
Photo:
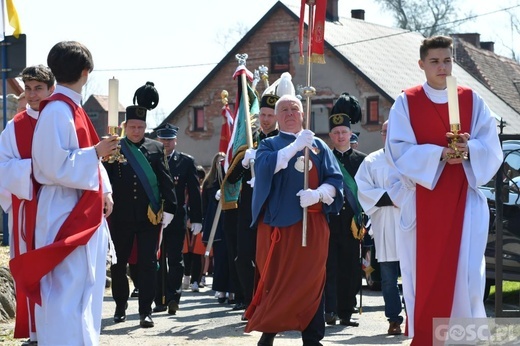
(186, 182)
(351, 160)
(209, 209)
(130, 199)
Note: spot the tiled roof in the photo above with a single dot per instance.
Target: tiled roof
(103, 102)
(500, 74)
(388, 59)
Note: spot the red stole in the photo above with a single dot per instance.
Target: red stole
(440, 214)
(77, 229)
(24, 216)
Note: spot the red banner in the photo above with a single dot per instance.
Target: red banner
(227, 126)
(318, 31)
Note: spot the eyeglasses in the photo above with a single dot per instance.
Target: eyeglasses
(383, 133)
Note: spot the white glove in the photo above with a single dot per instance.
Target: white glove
(251, 182)
(217, 195)
(166, 219)
(304, 139)
(248, 156)
(308, 197)
(196, 228)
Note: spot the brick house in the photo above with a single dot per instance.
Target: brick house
(372, 62)
(96, 107)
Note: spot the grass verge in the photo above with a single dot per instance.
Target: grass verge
(510, 293)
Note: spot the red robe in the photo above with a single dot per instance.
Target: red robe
(440, 215)
(24, 129)
(292, 277)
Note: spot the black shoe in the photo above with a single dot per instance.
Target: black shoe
(120, 314)
(239, 306)
(243, 317)
(160, 308)
(30, 343)
(173, 306)
(348, 322)
(135, 293)
(330, 318)
(146, 320)
(266, 339)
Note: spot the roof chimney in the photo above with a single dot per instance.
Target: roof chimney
(488, 45)
(331, 14)
(358, 14)
(473, 38)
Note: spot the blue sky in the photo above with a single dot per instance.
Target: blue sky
(175, 44)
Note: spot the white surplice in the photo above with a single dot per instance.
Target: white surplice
(373, 179)
(15, 172)
(421, 164)
(16, 180)
(72, 293)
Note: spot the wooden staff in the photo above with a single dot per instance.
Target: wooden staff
(308, 92)
(245, 98)
(216, 218)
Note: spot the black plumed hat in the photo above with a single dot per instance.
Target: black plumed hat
(349, 105)
(147, 96)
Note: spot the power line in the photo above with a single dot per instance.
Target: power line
(155, 68)
(339, 45)
(442, 24)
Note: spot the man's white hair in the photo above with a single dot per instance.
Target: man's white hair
(288, 97)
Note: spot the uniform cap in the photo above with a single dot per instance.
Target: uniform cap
(167, 132)
(269, 100)
(136, 112)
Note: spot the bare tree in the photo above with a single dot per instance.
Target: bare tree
(91, 87)
(229, 38)
(429, 17)
(515, 30)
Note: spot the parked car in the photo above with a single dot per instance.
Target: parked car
(511, 218)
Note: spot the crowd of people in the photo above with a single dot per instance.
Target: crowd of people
(156, 211)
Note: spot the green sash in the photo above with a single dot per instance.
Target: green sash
(146, 176)
(351, 193)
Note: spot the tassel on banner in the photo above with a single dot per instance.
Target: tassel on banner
(154, 218)
(317, 26)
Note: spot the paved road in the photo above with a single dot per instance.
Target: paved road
(202, 320)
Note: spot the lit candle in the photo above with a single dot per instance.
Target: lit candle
(113, 102)
(453, 100)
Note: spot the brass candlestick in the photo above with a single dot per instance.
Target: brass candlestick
(452, 143)
(116, 156)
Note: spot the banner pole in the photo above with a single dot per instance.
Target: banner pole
(308, 92)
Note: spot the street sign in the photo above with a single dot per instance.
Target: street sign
(16, 51)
